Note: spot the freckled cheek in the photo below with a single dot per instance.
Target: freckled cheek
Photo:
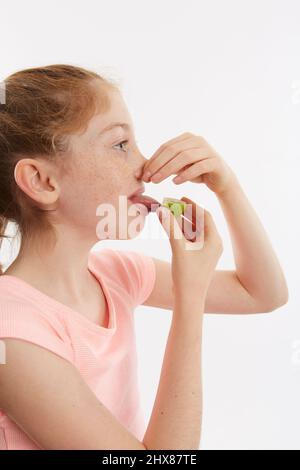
(102, 178)
(114, 178)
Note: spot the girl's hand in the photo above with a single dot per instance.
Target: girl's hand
(191, 158)
(193, 262)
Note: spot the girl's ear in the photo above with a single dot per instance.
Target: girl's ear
(35, 179)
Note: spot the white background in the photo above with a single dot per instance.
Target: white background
(230, 71)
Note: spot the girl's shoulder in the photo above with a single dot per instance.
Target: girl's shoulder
(22, 318)
(131, 270)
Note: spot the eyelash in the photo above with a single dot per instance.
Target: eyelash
(123, 142)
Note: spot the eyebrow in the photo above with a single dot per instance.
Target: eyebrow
(124, 125)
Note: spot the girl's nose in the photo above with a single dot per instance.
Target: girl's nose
(140, 170)
(138, 173)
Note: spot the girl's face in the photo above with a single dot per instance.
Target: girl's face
(101, 168)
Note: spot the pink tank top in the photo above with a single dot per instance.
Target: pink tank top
(105, 357)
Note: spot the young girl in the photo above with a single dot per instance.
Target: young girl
(68, 377)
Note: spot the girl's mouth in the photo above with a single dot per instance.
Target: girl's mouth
(149, 202)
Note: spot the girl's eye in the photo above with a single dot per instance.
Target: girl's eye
(121, 143)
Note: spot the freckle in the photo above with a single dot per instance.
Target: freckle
(161, 412)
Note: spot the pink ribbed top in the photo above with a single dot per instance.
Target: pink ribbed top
(105, 357)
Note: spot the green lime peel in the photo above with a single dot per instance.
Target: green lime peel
(176, 206)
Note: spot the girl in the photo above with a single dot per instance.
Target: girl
(68, 377)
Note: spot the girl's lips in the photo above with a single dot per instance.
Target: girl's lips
(148, 201)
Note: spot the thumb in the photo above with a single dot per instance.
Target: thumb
(170, 225)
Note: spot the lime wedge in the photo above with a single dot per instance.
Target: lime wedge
(176, 206)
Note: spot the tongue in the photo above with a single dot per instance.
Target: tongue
(148, 201)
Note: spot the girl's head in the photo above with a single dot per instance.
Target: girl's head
(58, 162)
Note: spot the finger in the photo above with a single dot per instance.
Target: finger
(179, 138)
(187, 155)
(193, 211)
(151, 165)
(194, 214)
(205, 165)
(210, 229)
(171, 226)
(168, 153)
(189, 215)
(190, 209)
(189, 230)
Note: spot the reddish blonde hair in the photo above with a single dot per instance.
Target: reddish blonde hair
(42, 107)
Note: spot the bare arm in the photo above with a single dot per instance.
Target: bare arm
(258, 284)
(56, 398)
(177, 411)
(48, 399)
(257, 266)
(225, 293)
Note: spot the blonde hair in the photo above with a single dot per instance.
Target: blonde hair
(43, 106)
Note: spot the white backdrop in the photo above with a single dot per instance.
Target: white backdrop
(229, 71)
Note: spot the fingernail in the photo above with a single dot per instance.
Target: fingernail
(177, 179)
(147, 174)
(156, 177)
